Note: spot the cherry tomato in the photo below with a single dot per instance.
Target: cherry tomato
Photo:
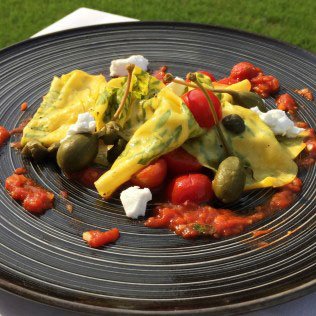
(151, 176)
(244, 70)
(206, 73)
(4, 135)
(160, 73)
(264, 85)
(198, 105)
(87, 176)
(196, 188)
(179, 161)
(96, 238)
(227, 81)
(286, 102)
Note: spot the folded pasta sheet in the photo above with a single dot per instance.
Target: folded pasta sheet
(168, 128)
(270, 162)
(71, 94)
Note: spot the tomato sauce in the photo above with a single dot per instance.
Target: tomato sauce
(262, 84)
(286, 102)
(4, 135)
(191, 220)
(308, 157)
(33, 197)
(305, 93)
(96, 238)
(19, 129)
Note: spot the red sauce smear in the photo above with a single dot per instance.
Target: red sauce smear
(20, 170)
(24, 106)
(262, 84)
(19, 129)
(305, 93)
(160, 73)
(33, 197)
(4, 135)
(287, 103)
(308, 156)
(191, 220)
(261, 232)
(96, 238)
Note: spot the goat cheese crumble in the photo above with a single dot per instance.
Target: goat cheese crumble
(118, 66)
(279, 122)
(135, 200)
(85, 124)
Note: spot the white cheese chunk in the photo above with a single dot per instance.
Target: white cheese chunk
(279, 122)
(85, 124)
(177, 88)
(135, 200)
(118, 66)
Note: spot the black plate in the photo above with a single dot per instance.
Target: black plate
(147, 270)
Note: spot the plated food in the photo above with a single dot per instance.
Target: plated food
(199, 144)
(146, 265)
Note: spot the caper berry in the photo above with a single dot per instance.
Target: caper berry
(230, 179)
(77, 152)
(234, 123)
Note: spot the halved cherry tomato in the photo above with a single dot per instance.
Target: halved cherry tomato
(179, 161)
(198, 105)
(206, 73)
(151, 176)
(227, 81)
(244, 70)
(195, 188)
(286, 102)
(96, 238)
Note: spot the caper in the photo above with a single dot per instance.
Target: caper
(77, 152)
(111, 135)
(35, 150)
(234, 123)
(229, 181)
(116, 150)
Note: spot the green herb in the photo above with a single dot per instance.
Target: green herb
(204, 229)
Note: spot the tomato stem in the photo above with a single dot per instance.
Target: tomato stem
(192, 77)
(129, 69)
(245, 99)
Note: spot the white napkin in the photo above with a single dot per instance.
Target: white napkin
(83, 17)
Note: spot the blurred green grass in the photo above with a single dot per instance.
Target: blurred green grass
(287, 20)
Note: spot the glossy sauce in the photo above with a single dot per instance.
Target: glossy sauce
(4, 135)
(32, 196)
(191, 220)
